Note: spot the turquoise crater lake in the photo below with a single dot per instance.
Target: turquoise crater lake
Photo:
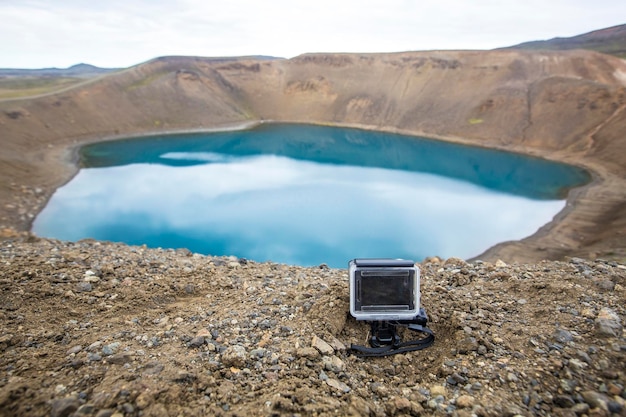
(306, 195)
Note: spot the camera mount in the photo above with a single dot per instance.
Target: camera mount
(386, 293)
(385, 340)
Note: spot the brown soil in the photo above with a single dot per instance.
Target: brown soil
(100, 329)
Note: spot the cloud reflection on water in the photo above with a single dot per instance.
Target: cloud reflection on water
(301, 212)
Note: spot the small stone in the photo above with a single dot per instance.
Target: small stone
(615, 408)
(465, 401)
(153, 368)
(576, 364)
(74, 350)
(606, 285)
(308, 352)
(456, 379)
(202, 332)
(436, 390)
(568, 385)
(322, 346)
(91, 278)
(511, 377)
(261, 352)
(512, 410)
(162, 322)
(500, 264)
(143, 400)
(595, 399)
(110, 349)
(610, 374)
(580, 408)
(338, 385)
(63, 407)
(564, 401)
(333, 364)
(361, 406)
(563, 336)
(234, 356)
(197, 342)
(337, 344)
(120, 359)
(608, 323)
(583, 356)
(498, 340)
(401, 404)
(468, 344)
(84, 287)
(86, 409)
(93, 357)
(614, 389)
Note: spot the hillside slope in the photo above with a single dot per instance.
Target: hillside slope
(101, 329)
(561, 105)
(610, 40)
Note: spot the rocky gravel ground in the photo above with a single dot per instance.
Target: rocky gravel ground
(103, 329)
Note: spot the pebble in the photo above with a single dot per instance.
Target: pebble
(563, 336)
(465, 401)
(84, 287)
(120, 358)
(74, 350)
(308, 352)
(234, 356)
(580, 408)
(197, 341)
(338, 385)
(468, 344)
(63, 407)
(110, 349)
(595, 399)
(323, 347)
(333, 363)
(401, 404)
(608, 323)
(564, 401)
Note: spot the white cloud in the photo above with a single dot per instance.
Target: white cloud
(41, 33)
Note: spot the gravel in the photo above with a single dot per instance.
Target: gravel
(102, 329)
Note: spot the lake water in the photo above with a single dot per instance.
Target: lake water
(306, 195)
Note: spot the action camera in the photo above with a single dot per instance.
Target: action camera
(386, 294)
(384, 289)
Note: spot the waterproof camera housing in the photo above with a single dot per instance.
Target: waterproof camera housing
(384, 289)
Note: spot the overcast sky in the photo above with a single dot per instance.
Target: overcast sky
(121, 33)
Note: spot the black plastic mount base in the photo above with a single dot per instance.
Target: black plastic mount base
(385, 340)
(385, 333)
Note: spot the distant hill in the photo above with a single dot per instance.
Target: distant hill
(610, 41)
(78, 70)
(16, 83)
